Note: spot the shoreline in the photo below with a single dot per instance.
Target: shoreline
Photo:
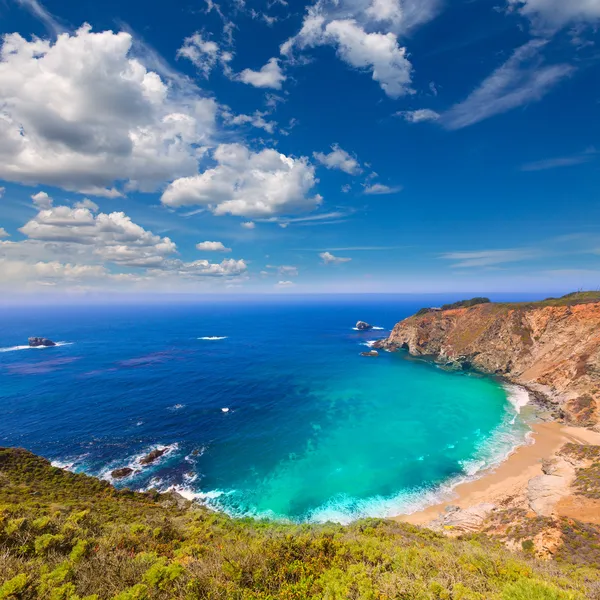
(505, 485)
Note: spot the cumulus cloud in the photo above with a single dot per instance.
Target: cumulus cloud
(554, 14)
(380, 53)
(42, 200)
(114, 237)
(330, 259)
(203, 268)
(269, 76)
(339, 159)
(285, 283)
(202, 53)
(81, 113)
(4, 233)
(379, 189)
(67, 244)
(212, 247)
(87, 203)
(257, 119)
(49, 272)
(418, 116)
(365, 34)
(248, 184)
(522, 79)
(248, 224)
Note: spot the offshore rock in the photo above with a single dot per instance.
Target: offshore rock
(362, 326)
(36, 342)
(551, 347)
(121, 473)
(371, 353)
(152, 456)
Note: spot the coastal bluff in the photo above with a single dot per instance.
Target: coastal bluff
(551, 347)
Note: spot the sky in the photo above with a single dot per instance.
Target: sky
(276, 146)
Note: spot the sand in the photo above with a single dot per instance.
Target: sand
(506, 484)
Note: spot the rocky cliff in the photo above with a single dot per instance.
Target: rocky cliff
(552, 347)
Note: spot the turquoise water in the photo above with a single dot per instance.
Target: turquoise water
(266, 408)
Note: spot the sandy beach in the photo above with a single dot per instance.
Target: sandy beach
(506, 484)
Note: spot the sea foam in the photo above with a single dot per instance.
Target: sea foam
(14, 348)
(213, 338)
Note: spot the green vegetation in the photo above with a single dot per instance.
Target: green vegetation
(70, 537)
(568, 300)
(466, 303)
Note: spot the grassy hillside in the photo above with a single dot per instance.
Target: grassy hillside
(65, 537)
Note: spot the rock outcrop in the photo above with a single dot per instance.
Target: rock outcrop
(462, 520)
(153, 456)
(36, 342)
(362, 326)
(370, 353)
(552, 347)
(121, 473)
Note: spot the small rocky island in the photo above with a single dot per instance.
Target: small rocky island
(36, 342)
(362, 326)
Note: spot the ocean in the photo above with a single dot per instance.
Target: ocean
(264, 405)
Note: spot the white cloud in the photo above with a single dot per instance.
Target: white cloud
(4, 233)
(248, 225)
(520, 80)
(379, 189)
(365, 34)
(555, 163)
(248, 184)
(203, 54)
(212, 247)
(285, 283)
(284, 270)
(67, 244)
(22, 271)
(87, 203)
(380, 53)
(269, 76)
(488, 258)
(339, 159)
(553, 14)
(113, 237)
(81, 113)
(42, 200)
(257, 119)
(203, 268)
(39, 11)
(418, 116)
(330, 259)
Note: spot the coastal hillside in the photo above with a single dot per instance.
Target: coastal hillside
(552, 346)
(66, 536)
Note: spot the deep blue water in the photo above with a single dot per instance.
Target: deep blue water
(312, 431)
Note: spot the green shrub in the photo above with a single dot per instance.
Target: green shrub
(47, 541)
(531, 589)
(14, 587)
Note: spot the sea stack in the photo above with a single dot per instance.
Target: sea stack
(362, 326)
(36, 342)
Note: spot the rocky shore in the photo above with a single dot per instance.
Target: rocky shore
(552, 348)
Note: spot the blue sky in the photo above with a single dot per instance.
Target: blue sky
(274, 146)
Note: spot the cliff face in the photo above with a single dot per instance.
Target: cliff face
(552, 349)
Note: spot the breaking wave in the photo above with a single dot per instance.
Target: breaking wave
(14, 348)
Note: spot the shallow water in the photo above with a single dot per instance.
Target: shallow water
(266, 406)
